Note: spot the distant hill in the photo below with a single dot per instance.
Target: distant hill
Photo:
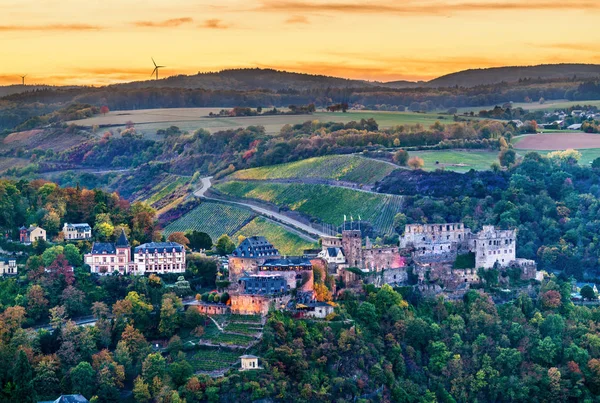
(474, 77)
(403, 84)
(250, 79)
(17, 89)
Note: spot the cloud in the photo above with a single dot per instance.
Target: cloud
(297, 19)
(51, 27)
(214, 23)
(170, 23)
(581, 47)
(420, 8)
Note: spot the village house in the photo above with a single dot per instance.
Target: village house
(318, 310)
(106, 258)
(77, 231)
(8, 266)
(31, 234)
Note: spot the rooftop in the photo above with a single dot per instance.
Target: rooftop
(153, 247)
(99, 248)
(255, 246)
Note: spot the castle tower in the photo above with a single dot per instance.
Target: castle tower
(123, 252)
(352, 244)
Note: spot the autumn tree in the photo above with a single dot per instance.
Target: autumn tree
(169, 318)
(415, 163)
(180, 238)
(401, 157)
(104, 110)
(37, 304)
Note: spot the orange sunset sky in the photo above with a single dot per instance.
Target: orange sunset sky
(105, 41)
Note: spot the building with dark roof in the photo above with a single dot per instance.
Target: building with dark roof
(68, 399)
(268, 284)
(106, 258)
(252, 252)
(255, 247)
(286, 264)
(77, 231)
(159, 257)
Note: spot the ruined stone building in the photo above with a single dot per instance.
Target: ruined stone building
(443, 242)
(493, 246)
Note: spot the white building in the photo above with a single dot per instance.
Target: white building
(77, 231)
(159, 257)
(333, 255)
(8, 266)
(249, 362)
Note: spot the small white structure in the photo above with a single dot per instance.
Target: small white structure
(249, 362)
(319, 310)
(333, 255)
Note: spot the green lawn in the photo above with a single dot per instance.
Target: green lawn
(457, 160)
(550, 105)
(349, 168)
(327, 203)
(286, 242)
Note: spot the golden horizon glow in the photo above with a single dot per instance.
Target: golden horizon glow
(68, 42)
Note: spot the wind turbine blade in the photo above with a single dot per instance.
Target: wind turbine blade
(153, 61)
(153, 71)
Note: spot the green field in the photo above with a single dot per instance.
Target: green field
(215, 219)
(456, 160)
(166, 187)
(148, 121)
(327, 203)
(348, 168)
(286, 242)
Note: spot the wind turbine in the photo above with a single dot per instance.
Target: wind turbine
(23, 79)
(156, 67)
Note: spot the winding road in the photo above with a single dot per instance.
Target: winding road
(206, 184)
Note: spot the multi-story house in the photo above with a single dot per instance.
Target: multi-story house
(159, 257)
(106, 258)
(77, 231)
(8, 266)
(252, 252)
(31, 234)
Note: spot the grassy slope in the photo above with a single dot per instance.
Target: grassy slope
(288, 243)
(327, 203)
(478, 160)
(213, 218)
(351, 168)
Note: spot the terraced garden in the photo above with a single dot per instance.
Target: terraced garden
(213, 360)
(286, 242)
(347, 168)
(215, 219)
(245, 328)
(327, 203)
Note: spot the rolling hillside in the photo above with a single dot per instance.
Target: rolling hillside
(347, 168)
(474, 77)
